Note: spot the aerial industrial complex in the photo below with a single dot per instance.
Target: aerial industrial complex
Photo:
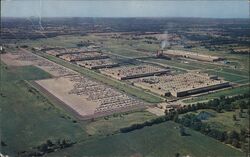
(159, 80)
(156, 79)
(89, 98)
(93, 87)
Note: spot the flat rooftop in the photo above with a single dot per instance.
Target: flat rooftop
(83, 56)
(174, 84)
(97, 64)
(63, 51)
(128, 72)
(191, 55)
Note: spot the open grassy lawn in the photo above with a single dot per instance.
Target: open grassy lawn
(156, 141)
(134, 91)
(226, 92)
(27, 118)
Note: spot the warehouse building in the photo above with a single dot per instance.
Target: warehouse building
(83, 56)
(130, 72)
(97, 64)
(63, 51)
(181, 84)
(191, 55)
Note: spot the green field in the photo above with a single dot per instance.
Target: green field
(22, 73)
(111, 124)
(156, 141)
(224, 121)
(232, 77)
(27, 118)
(226, 92)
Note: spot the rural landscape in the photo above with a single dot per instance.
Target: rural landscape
(124, 87)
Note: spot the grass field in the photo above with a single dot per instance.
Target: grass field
(226, 92)
(134, 91)
(22, 73)
(228, 76)
(112, 124)
(156, 141)
(27, 118)
(224, 121)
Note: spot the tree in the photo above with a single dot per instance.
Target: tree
(44, 148)
(182, 130)
(236, 143)
(240, 115)
(233, 135)
(234, 117)
(166, 112)
(49, 143)
(241, 110)
(242, 104)
(176, 117)
(177, 154)
(222, 97)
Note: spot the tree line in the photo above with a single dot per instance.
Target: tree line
(233, 138)
(47, 147)
(218, 104)
(238, 140)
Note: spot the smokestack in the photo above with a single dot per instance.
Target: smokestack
(164, 42)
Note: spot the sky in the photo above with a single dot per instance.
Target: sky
(126, 8)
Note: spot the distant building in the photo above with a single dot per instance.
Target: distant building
(191, 55)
